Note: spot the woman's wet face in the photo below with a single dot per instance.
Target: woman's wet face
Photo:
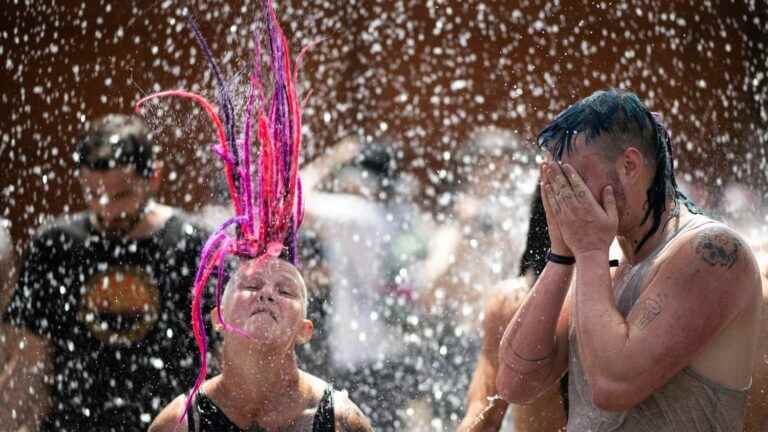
(266, 299)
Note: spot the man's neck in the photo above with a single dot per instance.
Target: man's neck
(629, 240)
(148, 221)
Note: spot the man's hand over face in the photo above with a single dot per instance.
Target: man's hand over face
(557, 244)
(585, 225)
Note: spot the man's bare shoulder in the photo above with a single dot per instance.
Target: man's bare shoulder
(710, 263)
(168, 419)
(719, 246)
(716, 251)
(507, 297)
(349, 418)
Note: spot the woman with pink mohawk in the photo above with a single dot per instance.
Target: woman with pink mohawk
(261, 311)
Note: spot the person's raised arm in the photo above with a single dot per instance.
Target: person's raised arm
(485, 412)
(314, 172)
(707, 280)
(534, 349)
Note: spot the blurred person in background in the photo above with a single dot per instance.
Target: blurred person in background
(476, 248)
(480, 244)
(102, 297)
(486, 411)
(371, 291)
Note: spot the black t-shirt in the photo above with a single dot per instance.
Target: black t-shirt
(117, 313)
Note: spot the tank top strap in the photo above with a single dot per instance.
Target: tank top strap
(629, 290)
(325, 417)
(694, 222)
(204, 416)
(193, 415)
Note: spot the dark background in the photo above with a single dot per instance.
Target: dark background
(423, 74)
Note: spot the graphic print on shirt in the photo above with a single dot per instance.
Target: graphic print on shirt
(121, 305)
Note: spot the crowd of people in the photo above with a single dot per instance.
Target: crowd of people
(587, 293)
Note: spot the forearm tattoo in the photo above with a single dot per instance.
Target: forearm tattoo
(649, 310)
(717, 247)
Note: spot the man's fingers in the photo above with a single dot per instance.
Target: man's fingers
(580, 191)
(577, 183)
(545, 197)
(609, 203)
(560, 182)
(551, 206)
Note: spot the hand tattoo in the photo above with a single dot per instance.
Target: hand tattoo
(717, 247)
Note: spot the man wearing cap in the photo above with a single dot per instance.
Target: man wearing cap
(103, 295)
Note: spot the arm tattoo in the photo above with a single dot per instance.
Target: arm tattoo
(717, 247)
(649, 310)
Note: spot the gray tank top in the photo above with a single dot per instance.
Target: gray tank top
(687, 402)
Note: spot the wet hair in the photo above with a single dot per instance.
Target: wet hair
(620, 115)
(537, 243)
(116, 140)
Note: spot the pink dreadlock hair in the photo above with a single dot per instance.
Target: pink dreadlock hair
(266, 225)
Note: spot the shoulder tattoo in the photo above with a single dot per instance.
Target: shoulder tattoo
(717, 247)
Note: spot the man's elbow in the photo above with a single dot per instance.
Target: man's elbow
(614, 396)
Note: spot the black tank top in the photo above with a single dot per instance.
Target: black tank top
(206, 416)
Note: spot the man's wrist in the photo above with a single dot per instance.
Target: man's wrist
(560, 250)
(560, 259)
(592, 256)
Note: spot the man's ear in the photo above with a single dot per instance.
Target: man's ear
(305, 334)
(632, 162)
(217, 325)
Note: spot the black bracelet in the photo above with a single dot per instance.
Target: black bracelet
(560, 259)
(569, 260)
